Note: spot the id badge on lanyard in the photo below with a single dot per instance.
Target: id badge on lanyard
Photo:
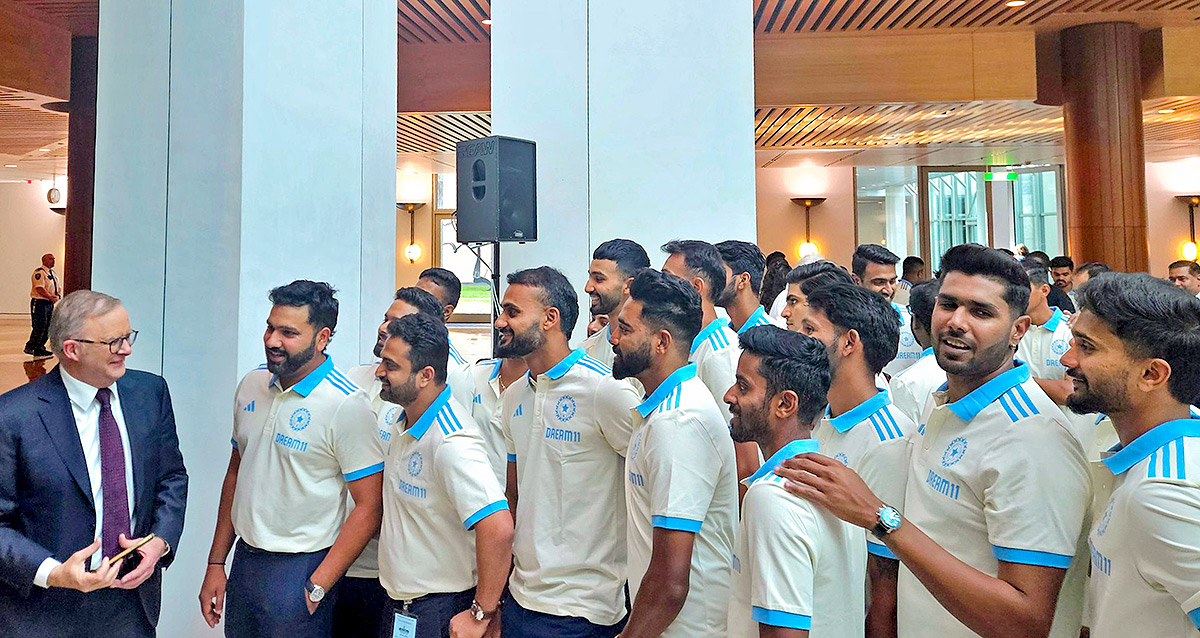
(404, 623)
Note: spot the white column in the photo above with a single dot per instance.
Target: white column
(643, 114)
(895, 199)
(241, 144)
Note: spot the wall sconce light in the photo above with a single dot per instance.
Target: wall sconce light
(808, 247)
(412, 251)
(1190, 251)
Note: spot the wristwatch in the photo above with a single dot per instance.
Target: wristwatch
(887, 521)
(316, 593)
(479, 614)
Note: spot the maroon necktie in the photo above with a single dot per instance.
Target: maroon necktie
(112, 478)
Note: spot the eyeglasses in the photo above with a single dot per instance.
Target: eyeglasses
(115, 345)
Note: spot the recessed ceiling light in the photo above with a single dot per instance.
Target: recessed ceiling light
(487, 22)
(1016, 3)
(10, 166)
(1166, 111)
(44, 150)
(941, 115)
(890, 137)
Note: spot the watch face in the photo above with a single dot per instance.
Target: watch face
(890, 517)
(317, 594)
(476, 611)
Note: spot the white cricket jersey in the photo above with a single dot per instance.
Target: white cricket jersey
(567, 431)
(996, 476)
(485, 410)
(910, 390)
(367, 563)
(1043, 346)
(760, 318)
(715, 351)
(795, 565)
(437, 485)
(299, 448)
(363, 376)
(872, 439)
(908, 350)
(1145, 548)
(682, 475)
(598, 347)
(459, 377)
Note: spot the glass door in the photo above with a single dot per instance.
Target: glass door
(1037, 210)
(956, 209)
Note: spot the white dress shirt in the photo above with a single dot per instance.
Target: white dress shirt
(86, 409)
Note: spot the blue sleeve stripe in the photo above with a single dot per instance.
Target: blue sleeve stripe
(234, 442)
(512, 458)
(780, 618)
(365, 472)
(678, 524)
(1030, 557)
(882, 551)
(1194, 616)
(485, 512)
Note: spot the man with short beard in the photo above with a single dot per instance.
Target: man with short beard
(303, 436)
(744, 267)
(998, 483)
(566, 426)
(682, 475)
(797, 569)
(1136, 357)
(614, 263)
(874, 268)
(446, 539)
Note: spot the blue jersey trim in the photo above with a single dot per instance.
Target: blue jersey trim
(512, 458)
(678, 524)
(234, 442)
(713, 328)
(563, 366)
(971, 405)
(880, 550)
(1194, 616)
(799, 446)
(484, 513)
(859, 413)
(776, 618)
(365, 472)
(418, 429)
(757, 318)
(1158, 436)
(1031, 557)
(665, 388)
(305, 386)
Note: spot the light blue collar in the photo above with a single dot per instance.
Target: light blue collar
(495, 369)
(899, 312)
(713, 326)
(1055, 319)
(561, 367)
(926, 352)
(971, 405)
(670, 383)
(859, 413)
(1141, 447)
(417, 430)
(757, 318)
(305, 386)
(799, 446)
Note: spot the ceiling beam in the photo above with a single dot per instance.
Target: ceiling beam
(34, 56)
(443, 77)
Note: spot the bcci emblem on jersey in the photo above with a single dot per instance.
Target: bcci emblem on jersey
(415, 464)
(300, 419)
(907, 340)
(841, 457)
(390, 417)
(954, 452)
(1059, 347)
(564, 409)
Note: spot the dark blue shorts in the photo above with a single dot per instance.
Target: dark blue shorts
(519, 622)
(265, 596)
(433, 613)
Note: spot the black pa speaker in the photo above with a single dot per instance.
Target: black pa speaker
(497, 190)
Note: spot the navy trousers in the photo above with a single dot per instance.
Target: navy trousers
(61, 613)
(357, 612)
(518, 622)
(40, 311)
(433, 613)
(265, 596)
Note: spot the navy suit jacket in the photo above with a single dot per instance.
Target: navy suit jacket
(46, 506)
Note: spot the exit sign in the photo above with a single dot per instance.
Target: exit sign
(1000, 177)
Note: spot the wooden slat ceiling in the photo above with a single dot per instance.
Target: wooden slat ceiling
(441, 21)
(799, 16)
(80, 17)
(439, 132)
(1012, 123)
(25, 129)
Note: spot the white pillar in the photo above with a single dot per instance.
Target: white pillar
(643, 114)
(241, 144)
(895, 202)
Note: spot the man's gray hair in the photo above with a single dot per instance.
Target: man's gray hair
(72, 313)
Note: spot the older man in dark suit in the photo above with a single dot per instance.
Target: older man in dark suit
(89, 465)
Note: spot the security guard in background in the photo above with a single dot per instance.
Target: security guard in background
(43, 292)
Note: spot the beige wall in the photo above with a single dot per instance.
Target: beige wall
(414, 185)
(781, 222)
(31, 230)
(1167, 217)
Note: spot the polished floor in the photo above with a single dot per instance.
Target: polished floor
(16, 368)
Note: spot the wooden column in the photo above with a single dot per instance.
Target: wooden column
(81, 165)
(1105, 152)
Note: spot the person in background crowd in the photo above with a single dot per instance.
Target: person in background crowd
(1186, 275)
(303, 435)
(614, 263)
(797, 568)
(567, 425)
(912, 271)
(446, 538)
(1062, 268)
(1039, 255)
(1055, 295)
(444, 285)
(682, 490)
(89, 466)
(1136, 358)
(1048, 337)
(744, 266)
(1086, 271)
(861, 428)
(1022, 251)
(911, 389)
(776, 308)
(43, 293)
(797, 304)
(714, 350)
(360, 597)
(774, 279)
(998, 484)
(599, 322)
(874, 268)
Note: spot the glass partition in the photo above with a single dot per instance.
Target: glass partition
(886, 208)
(957, 211)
